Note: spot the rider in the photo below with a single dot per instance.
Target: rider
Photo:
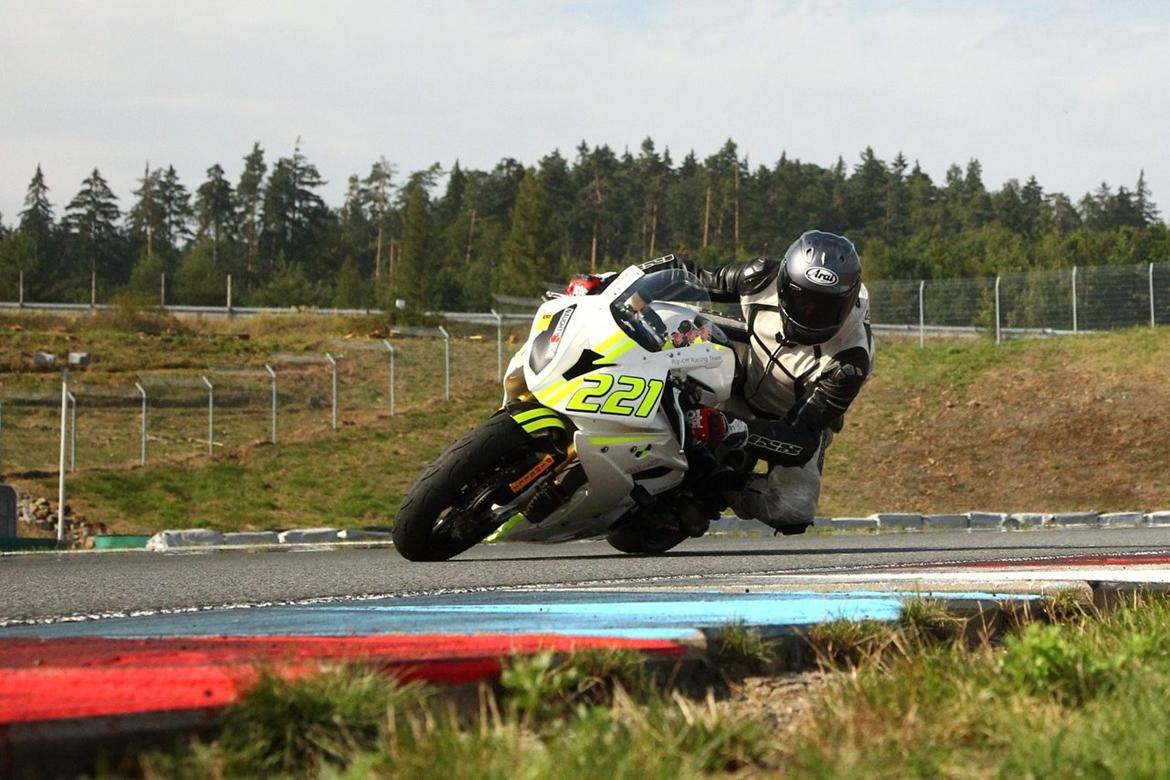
(809, 350)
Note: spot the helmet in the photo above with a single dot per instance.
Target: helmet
(818, 285)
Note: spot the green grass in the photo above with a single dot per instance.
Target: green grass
(350, 478)
(1084, 698)
(1056, 424)
(739, 649)
(1081, 697)
(572, 719)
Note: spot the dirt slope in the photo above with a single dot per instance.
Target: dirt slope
(1042, 425)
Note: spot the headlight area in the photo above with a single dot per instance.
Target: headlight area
(544, 346)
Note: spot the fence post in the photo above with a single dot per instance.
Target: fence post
(20, 292)
(1153, 322)
(998, 337)
(446, 363)
(72, 431)
(499, 345)
(162, 291)
(210, 415)
(272, 374)
(229, 295)
(61, 461)
(93, 290)
(138, 386)
(922, 313)
(391, 349)
(1074, 298)
(333, 364)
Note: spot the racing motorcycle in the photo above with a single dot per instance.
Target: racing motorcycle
(592, 438)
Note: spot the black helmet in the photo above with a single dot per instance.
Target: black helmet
(818, 284)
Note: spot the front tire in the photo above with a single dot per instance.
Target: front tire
(444, 513)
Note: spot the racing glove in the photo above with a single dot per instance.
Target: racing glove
(713, 427)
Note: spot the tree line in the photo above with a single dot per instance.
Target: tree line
(451, 238)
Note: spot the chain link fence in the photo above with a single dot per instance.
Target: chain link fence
(174, 415)
(169, 416)
(1065, 301)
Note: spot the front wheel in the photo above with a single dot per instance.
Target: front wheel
(459, 500)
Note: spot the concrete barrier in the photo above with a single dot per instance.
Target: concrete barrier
(308, 536)
(986, 521)
(1022, 520)
(1074, 519)
(855, 523)
(190, 537)
(251, 537)
(1121, 519)
(1158, 518)
(362, 535)
(945, 522)
(898, 521)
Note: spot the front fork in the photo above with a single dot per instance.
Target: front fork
(553, 480)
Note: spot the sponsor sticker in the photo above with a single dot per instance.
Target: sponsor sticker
(535, 472)
(822, 276)
(562, 323)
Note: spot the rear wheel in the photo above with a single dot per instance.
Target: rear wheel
(463, 496)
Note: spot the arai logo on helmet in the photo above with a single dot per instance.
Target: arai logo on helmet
(821, 276)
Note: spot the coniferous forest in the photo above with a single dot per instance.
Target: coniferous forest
(450, 238)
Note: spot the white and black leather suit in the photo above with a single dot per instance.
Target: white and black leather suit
(792, 396)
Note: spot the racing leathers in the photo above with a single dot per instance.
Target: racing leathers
(792, 396)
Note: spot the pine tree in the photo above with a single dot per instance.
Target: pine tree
(294, 216)
(250, 197)
(176, 206)
(378, 186)
(146, 220)
(530, 254)
(1142, 200)
(92, 221)
(36, 220)
(414, 270)
(215, 216)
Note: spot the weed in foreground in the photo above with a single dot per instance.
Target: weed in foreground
(846, 643)
(573, 717)
(1079, 698)
(737, 648)
(929, 620)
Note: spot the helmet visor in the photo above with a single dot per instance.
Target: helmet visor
(815, 310)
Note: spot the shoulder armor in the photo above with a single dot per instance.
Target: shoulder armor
(756, 275)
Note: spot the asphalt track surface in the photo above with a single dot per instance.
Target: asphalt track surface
(51, 586)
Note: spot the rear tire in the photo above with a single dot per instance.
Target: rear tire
(482, 458)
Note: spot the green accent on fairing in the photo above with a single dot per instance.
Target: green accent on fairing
(541, 424)
(533, 414)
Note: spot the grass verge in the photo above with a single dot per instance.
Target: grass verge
(1070, 692)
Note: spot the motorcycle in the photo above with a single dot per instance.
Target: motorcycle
(592, 438)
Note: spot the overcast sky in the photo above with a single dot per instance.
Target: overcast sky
(1075, 93)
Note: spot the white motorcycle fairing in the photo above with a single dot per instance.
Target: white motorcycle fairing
(619, 394)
